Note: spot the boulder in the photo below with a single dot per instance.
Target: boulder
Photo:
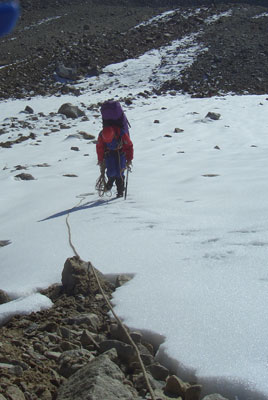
(214, 116)
(125, 351)
(176, 386)
(78, 277)
(98, 380)
(193, 392)
(72, 360)
(25, 177)
(74, 271)
(158, 371)
(28, 110)
(70, 111)
(66, 72)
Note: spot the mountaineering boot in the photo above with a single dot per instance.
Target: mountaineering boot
(110, 183)
(120, 186)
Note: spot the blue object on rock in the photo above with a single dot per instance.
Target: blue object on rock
(9, 14)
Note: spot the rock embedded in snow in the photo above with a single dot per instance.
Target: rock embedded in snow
(86, 136)
(4, 243)
(178, 130)
(25, 177)
(28, 110)
(122, 279)
(4, 298)
(70, 111)
(212, 115)
(70, 175)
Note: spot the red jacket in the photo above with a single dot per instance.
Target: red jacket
(127, 145)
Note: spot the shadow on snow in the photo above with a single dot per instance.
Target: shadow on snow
(90, 204)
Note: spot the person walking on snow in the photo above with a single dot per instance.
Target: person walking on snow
(114, 146)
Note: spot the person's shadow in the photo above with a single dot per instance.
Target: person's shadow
(90, 204)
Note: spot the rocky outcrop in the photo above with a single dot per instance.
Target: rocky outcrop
(74, 351)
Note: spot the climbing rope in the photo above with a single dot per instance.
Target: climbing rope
(125, 331)
(101, 184)
(110, 305)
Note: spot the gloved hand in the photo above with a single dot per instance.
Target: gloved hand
(129, 164)
(101, 164)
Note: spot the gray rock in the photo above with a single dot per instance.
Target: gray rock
(71, 111)
(77, 275)
(122, 279)
(124, 351)
(118, 333)
(52, 355)
(71, 361)
(4, 298)
(147, 359)
(89, 319)
(4, 243)
(65, 332)
(73, 272)
(140, 383)
(87, 340)
(86, 136)
(178, 130)
(214, 396)
(24, 177)
(193, 392)
(176, 386)
(214, 116)
(66, 72)
(28, 110)
(136, 337)
(158, 371)
(98, 380)
(14, 393)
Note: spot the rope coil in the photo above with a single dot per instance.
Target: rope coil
(101, 183)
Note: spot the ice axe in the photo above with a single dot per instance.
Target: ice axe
(128, 170)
